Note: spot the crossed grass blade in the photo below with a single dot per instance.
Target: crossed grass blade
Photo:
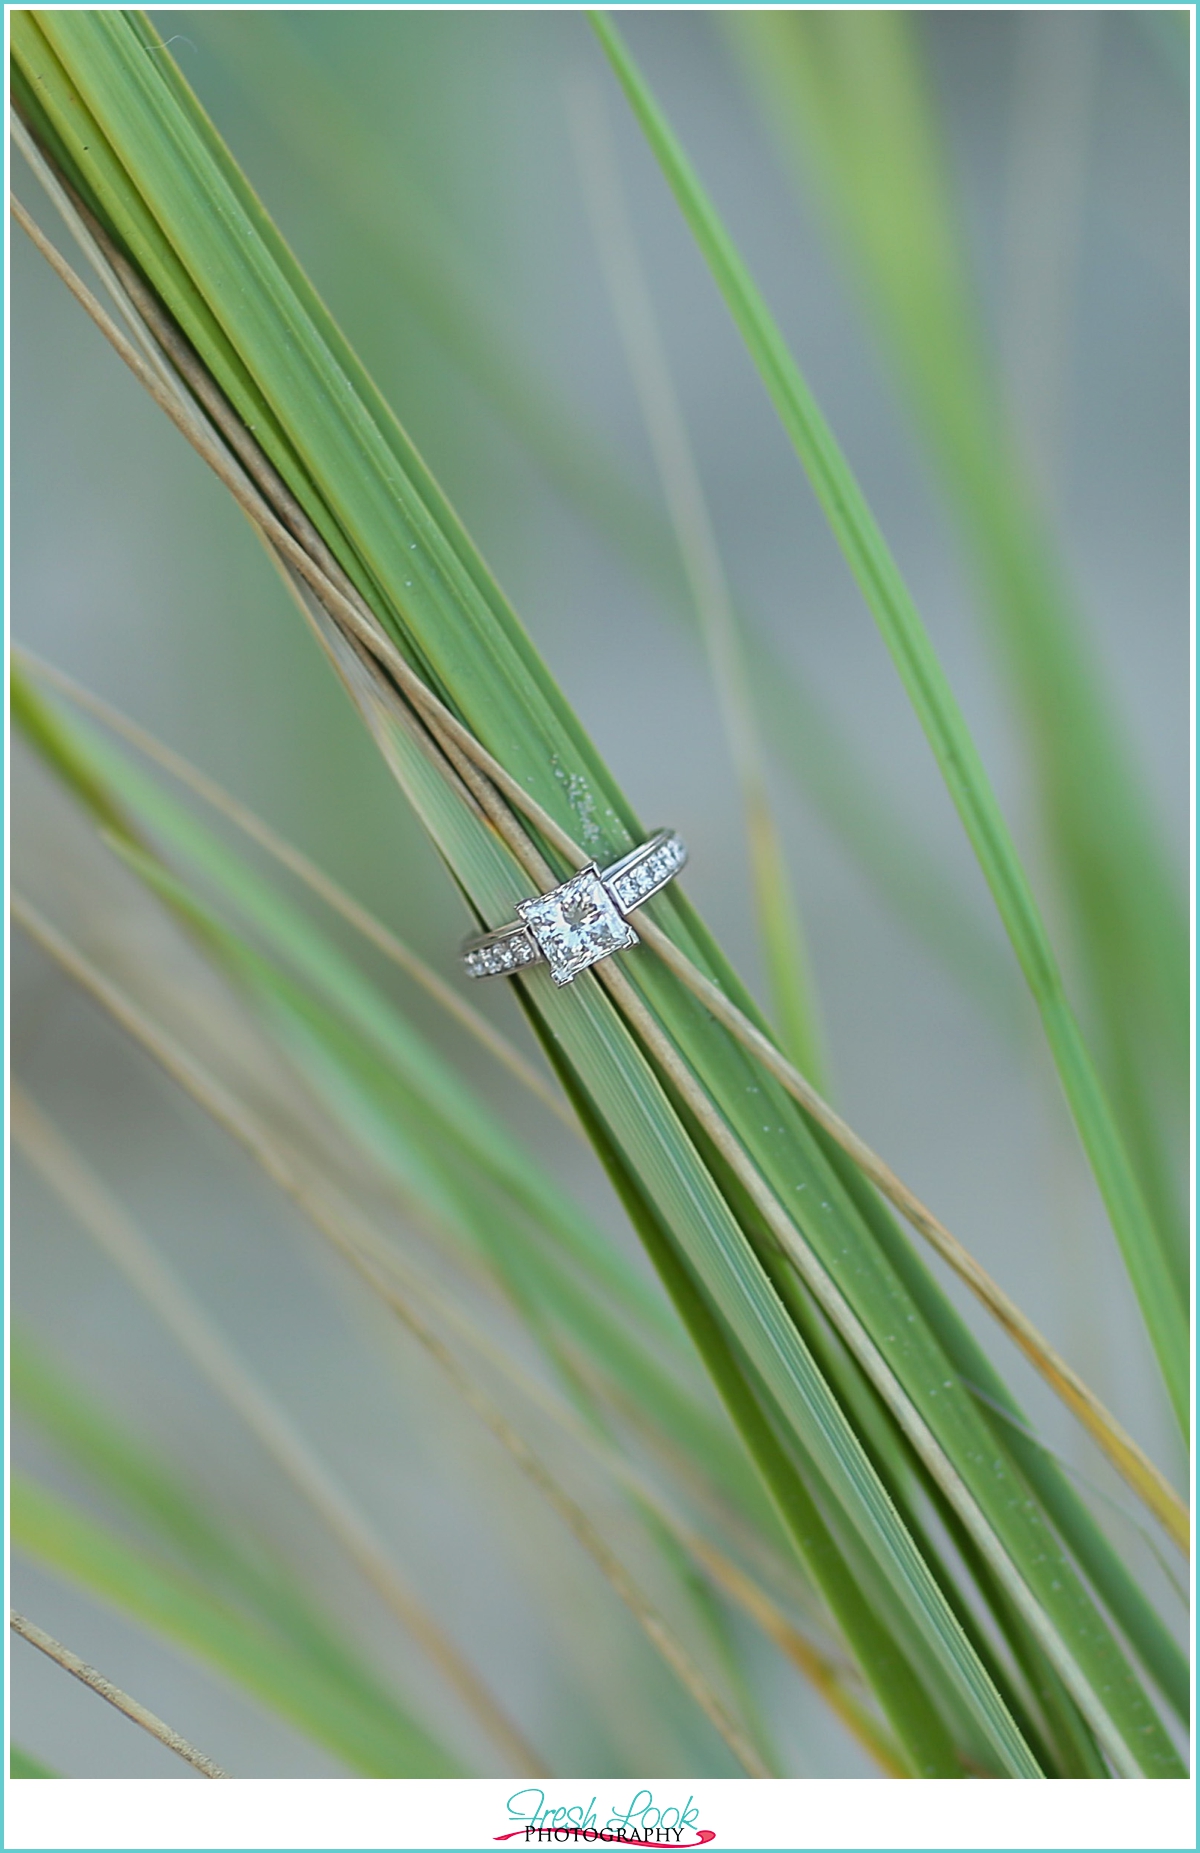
(1073, 1672)
(97, 778)
(146, 807)
(466, 636)
(1150, 1258)
(91, 773)
(849, 1607)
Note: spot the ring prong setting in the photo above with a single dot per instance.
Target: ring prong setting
(577, 924)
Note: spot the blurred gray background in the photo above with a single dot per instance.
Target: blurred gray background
(130, 568)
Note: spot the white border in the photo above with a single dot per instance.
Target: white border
(459, 1814)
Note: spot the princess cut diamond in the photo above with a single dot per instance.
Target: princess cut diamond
(576, 924)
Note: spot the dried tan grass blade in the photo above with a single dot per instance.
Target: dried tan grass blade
(96, 1682)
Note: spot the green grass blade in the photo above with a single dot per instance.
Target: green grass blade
(851, 90)
(62, 1539)
(54, 740)
(1144, 1247)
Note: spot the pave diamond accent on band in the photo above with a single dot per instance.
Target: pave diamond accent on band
(635, 878)
(581, 921)
(498, 959)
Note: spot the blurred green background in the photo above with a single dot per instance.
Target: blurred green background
(421, 166)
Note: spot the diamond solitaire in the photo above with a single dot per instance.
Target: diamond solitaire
(582, 920)
(576, 924)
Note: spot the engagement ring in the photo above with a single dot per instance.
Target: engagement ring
(581, 921)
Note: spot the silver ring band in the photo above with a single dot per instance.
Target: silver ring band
(582, 920)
